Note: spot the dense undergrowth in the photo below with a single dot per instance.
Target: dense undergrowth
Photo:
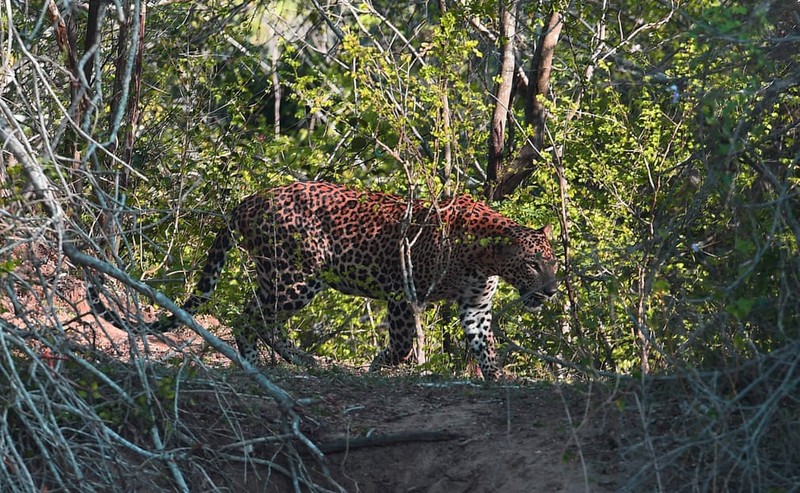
(660, 139)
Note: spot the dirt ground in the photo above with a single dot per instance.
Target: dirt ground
(397, 431)
(514, 438)
(403, 432)
(394, 432)
(380, 433)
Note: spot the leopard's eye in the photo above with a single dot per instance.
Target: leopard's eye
(536, 265)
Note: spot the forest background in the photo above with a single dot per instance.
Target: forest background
(659, 137)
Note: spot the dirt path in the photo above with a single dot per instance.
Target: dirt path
(516, 439)
(402, 433)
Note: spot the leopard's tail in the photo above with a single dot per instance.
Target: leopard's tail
(215, 261)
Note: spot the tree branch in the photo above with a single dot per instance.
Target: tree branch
(35, 174)
(502, 106)
(44, 191)
(346, 444)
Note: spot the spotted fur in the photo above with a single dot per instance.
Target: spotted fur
(308, 236)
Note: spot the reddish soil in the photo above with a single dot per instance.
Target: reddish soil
(397, 431)
(426, 434)
(381, 433)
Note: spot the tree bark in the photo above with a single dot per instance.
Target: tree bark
(504, 179)
(65, 38)
(502, 105)
(128, 80)
(136, 89)
(92, 38)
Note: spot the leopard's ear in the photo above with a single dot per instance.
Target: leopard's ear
(547, 230)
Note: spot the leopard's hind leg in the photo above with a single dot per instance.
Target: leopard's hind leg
(265, 316)
(403, 325)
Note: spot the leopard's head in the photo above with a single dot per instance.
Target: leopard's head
(524, 259)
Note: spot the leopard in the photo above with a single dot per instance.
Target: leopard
(309, 236)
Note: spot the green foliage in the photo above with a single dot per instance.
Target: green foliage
(669, 171)
(678, 163)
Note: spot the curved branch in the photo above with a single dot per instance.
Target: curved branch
(35, 174)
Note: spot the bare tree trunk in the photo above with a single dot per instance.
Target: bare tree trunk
(124, 114)
(136, 90)
(502, 105)
(65, 38)
(277, 93)
(128, 81)
(640, 327)
(508, 178)
(92, 38)
(419, 342)
(447, 146)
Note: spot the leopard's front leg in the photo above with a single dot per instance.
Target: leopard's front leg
(475, 312)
